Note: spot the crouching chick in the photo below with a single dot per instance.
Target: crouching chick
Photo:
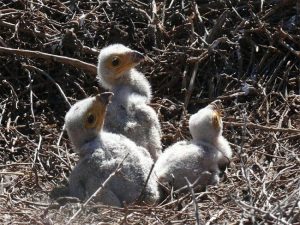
(200, 160)
(100, 154)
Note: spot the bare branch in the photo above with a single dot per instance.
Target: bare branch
(87, 67)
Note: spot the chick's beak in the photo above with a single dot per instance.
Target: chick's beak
(128, 60)
(105, 97)
(216, 106)
(136, 57)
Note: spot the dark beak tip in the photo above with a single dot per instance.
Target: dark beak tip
(105, 97)
(137, 56)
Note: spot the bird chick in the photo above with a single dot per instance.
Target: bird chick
(199, 160)
(129, 112)
(116, 70)
(100, 154)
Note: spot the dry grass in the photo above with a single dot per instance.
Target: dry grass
(245, 53)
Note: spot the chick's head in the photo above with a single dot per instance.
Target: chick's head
(206, 124)
(85, 119)
(114, 62)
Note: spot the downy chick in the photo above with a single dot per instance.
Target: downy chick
(129, 112)
(199, 160)
(101, 152)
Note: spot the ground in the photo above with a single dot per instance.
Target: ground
(245, 53)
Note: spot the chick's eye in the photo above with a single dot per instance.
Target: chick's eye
(90, 119)
(115, 61)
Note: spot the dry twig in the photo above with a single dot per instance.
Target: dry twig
(91, 69)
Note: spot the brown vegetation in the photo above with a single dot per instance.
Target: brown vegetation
(245, 53)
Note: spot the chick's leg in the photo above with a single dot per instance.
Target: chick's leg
(77, 182)
(77, 188)
(107, 197)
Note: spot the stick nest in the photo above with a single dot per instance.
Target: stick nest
(245, 53)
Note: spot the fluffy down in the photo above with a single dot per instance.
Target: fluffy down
(200, 160)
(129, 112)
(101, 152)
(94, 168)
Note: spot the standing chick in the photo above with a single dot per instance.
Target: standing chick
(129, 112)
(200, 159)
(101, 152)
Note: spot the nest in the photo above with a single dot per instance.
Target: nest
(244, 53)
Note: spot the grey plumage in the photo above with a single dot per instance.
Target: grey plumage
(129, 112)
(199, 159)
(101, 152)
